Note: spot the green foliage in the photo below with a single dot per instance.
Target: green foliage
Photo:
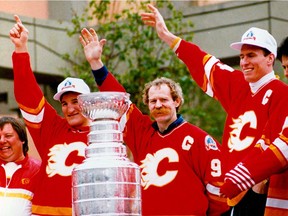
(135, 55)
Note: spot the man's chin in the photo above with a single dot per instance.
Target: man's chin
(160, 118)
(74, 122)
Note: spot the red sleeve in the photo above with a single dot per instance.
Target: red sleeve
(111, 84)
(33, 106)
(272, 160)
(208, 162)
(26, 90)
(215, 78)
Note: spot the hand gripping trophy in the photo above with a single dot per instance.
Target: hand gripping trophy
(107, 182)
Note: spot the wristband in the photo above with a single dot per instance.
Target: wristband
(175, 41)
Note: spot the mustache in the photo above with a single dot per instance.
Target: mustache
(161, 111)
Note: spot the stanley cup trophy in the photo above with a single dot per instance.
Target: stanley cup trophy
(107, 182)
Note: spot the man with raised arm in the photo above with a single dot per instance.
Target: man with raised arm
(250, 97)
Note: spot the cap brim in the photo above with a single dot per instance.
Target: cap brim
(58, 95)
(237, 45)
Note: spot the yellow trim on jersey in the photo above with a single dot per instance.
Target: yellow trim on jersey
(16, 195)
(33, 110)
(48, 210)
(279, 155)
(237, 199)
(175, 41)
(32, 125)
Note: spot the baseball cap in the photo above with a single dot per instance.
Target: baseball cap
(257, 37)
(71, 84)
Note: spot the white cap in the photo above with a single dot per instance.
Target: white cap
(71, 85)
(257, 37)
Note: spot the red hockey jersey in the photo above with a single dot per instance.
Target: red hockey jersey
(61, 147)
(270, 162)
(181, 170)
(248, 109)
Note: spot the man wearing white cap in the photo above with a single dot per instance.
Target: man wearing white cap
(60, 141)
(251, 97)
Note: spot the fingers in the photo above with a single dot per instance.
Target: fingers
(102, 42)
(152, 8)
(82, 41)
(150, 18)
(93, 34)
(17, 19)
(89, 36)
(147, 16)
(16, 31)
(18, 28)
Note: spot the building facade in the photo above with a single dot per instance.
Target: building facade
(217, 23)
(215, 27)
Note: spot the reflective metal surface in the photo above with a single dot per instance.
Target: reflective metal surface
(107, 182)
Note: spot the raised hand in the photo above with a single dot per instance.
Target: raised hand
(19, 35)
(156, 20)
(92, 47)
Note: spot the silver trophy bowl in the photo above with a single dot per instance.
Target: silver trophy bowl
(104, 105)
(107, 182)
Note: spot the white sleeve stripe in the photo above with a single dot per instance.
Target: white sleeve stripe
(263, 144)
(243, 168)
(33, 118)
(208, 66)
(277, 203)
(237, 182)
(213, 189)
(239, 176)
(282, 146)
(246, 174)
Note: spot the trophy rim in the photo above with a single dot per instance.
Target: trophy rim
(95, 105)
(104, 92)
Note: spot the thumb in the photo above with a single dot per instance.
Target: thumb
(102, 42)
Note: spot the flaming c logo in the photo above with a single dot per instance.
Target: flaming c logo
(149, 175)
(58, 155)
(234, 142)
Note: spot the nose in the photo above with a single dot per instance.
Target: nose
(70, 108)
(158, 104)
(243, 61)
(2, 139)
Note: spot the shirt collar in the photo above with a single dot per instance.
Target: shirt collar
(264, 80)
(173, 125)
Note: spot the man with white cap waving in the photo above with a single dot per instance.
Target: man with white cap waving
(60, 141)
(251, 97)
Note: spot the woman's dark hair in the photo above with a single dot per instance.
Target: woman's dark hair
(19, 126)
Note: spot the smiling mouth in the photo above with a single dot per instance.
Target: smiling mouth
(5, 148)
(247, 70)
(72, 115)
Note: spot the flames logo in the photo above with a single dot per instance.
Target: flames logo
(234, 142)
(58, 155)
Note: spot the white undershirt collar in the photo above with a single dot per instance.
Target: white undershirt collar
(263, 81)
